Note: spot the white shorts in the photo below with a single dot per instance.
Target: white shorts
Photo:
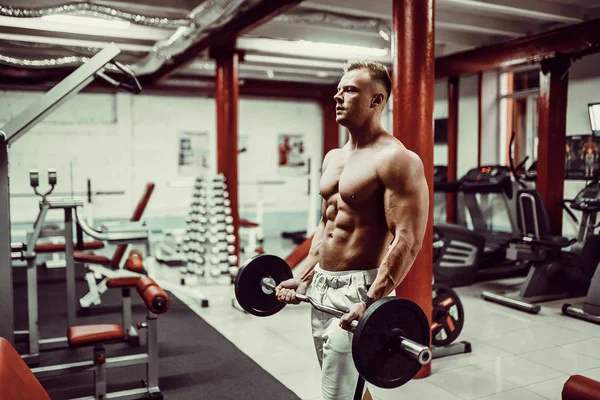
(332, 343)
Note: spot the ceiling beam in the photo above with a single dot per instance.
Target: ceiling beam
(543, 11)
(573, 40)
(292, 90)
(254, 17)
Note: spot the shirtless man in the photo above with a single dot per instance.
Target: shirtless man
(375, 208)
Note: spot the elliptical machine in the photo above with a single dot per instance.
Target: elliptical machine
(555, 272)
(588, 202)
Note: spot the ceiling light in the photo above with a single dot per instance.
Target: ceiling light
(86, 21)
(296, 62)
(270, 73)
(339, 48)
(322, 74)
(312, 49)
(384, 35)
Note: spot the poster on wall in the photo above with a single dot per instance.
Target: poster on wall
(293, 160)
(582, 157)
(192, 153)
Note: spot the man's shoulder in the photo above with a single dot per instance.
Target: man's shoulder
(395, 153)
(395, 161)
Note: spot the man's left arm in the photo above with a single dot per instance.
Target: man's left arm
(406, 202)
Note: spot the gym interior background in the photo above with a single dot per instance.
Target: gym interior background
(125, 129)
(121, 141)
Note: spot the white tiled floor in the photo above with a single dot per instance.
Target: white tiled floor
(515, 355)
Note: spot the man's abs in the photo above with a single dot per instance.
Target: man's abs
(359, 249)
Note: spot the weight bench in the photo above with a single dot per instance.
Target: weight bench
(104, 266)
(157, 302)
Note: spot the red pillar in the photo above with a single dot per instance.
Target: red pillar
(453, 86)
(552, 128)
(479, 116)
(331, 129)
(226, 96)
(413, 83)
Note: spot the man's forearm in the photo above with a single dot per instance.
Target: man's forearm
(394, 267)
(312, 259)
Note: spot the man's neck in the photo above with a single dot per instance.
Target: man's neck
(362, 136)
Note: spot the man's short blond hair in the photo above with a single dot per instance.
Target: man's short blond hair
(377, 72)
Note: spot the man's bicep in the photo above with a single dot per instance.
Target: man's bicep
(407, 203)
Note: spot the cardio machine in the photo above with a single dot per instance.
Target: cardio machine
(466, 256)
(560, 267)
(588, 202)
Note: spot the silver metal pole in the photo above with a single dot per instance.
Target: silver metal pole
(7, 327)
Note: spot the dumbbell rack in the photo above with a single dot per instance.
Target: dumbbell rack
(208, 244)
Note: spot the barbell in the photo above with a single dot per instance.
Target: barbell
(390, 341)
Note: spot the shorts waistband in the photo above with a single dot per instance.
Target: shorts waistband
(345, 273)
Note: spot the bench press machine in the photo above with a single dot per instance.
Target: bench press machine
(17, 128)
(122, 235)
(94, 262)
(28, 252)
(156, 301)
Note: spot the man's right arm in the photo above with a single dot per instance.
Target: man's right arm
(312, 259)
(286, 291)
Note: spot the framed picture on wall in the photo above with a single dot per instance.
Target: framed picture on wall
(292, 156)
(582, 157)
(192, 153)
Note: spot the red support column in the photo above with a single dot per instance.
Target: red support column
(226, 96)
(413, 85)
(479, 116)
(331, 129)
(453, 86)
(552, 127)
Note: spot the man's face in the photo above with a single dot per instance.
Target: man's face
(354, 99)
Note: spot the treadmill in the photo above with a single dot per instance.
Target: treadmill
(466, 255)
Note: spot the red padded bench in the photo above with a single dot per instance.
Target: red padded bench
(17, 382)
(60, 247)
(96, 335)
(156, 300)
(578, 387)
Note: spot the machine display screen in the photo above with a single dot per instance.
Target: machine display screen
(590, 195)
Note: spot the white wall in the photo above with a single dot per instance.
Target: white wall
(263, 121)
(122, 141)
(467, 123)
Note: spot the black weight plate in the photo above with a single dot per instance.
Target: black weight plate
(248, 284)
(448, 316)
(376, 359)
